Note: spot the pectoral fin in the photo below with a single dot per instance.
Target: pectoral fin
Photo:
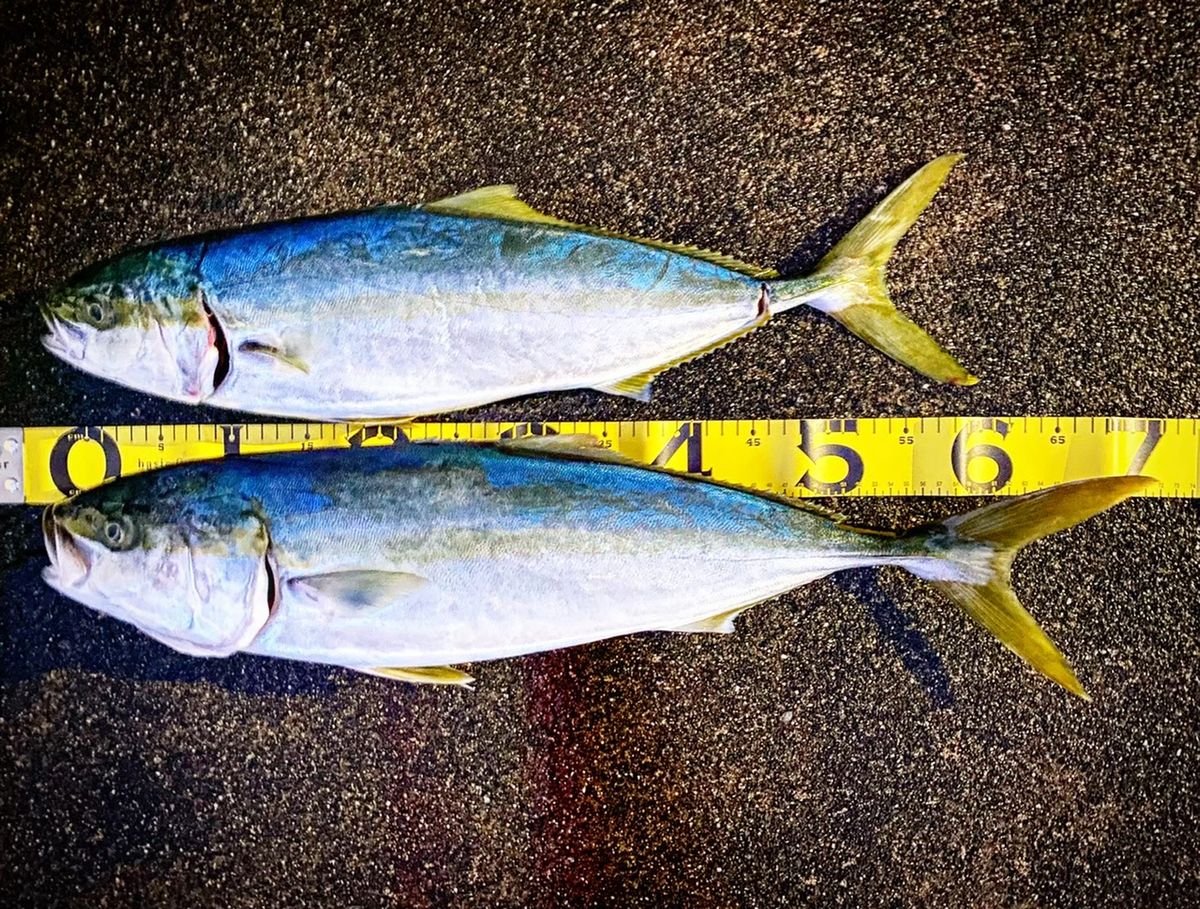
(354, 591)
(276, 352)
(721, 623)
(423, 675)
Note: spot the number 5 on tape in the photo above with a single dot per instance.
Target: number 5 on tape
(898, 456)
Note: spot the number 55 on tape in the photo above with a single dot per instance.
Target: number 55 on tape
(883, 456)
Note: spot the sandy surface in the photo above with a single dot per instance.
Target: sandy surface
(858, 742)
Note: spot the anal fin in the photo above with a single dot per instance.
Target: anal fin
(423, 675)
(639, 386)
(721, 623)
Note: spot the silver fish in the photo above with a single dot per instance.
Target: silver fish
(395, 312)
(404, 560)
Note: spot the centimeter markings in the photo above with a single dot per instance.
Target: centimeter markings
(884, 456)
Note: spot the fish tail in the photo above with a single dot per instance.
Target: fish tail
(850, 283)
(975, 553)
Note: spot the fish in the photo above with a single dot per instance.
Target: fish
(409, 560)
(395, 312)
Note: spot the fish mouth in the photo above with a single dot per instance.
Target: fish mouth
(69, 565)
(48, 315)
(64, 340)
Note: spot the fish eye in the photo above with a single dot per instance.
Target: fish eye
(118, 533)
(97, 311)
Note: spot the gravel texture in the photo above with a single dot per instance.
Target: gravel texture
(856, 743)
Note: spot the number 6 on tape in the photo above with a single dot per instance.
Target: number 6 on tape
(897, 456)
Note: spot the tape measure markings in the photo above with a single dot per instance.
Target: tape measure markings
(884, 456)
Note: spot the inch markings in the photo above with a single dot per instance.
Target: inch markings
(885, 456)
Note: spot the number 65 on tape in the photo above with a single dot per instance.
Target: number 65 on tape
(879, 456)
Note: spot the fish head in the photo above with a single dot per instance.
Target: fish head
(141, 320)
(186, 565)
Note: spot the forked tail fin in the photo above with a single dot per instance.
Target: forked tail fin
(850, 283)
(1004, 527)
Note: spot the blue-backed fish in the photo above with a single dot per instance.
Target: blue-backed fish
(406, 560)
(397, 311)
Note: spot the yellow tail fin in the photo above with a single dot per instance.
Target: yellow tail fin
(849, 284)
(1004, 527)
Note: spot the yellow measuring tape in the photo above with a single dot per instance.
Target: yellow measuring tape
(888, 456)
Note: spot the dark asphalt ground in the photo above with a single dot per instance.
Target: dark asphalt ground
(857, 742)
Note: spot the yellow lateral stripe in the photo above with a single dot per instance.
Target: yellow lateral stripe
(886, 456)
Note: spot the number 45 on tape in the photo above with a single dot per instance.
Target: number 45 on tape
(881, 456)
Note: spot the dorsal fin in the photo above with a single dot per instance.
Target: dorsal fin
(567, 444)
(586, 447)
(501, 203)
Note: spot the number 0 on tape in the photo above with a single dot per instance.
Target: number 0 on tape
(886, 456)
